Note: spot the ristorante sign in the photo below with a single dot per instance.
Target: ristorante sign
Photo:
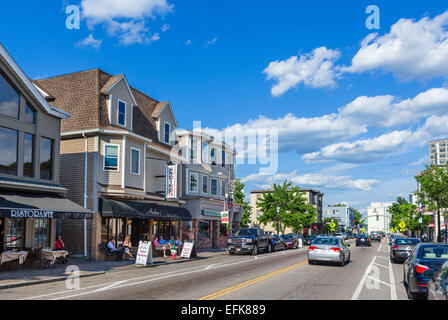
(171, 181)
(29, 213)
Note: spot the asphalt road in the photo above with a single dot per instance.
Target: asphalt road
(281, 275)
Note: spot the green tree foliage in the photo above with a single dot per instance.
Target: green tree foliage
(239, 198)
(294, 211)
(404, 211)
(327, 222)
(357, 218)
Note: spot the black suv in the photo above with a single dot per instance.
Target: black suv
(250, 240)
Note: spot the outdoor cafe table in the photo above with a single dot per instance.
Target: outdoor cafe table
(53, 254)
(7, 256)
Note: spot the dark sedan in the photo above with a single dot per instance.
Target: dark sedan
(309, 240)
(278, 243)
(363, 240)
(291, 241)
(438, 285)
(420, 267)
(402, 248)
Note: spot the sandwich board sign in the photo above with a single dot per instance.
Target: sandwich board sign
(187, 250)
(224, 216)
(144, 253)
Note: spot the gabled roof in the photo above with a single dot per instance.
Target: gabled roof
(113, 81)
(30, 87)
(159, 109)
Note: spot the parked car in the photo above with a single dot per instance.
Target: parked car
(291, 240)
(363, 240)
(393, 236)
(324, 235)
(438, 285)
(420, 267)
(309, 240)
(278, 243)
(329, 249)
(250, 240)
(375, 236)
(402, 248)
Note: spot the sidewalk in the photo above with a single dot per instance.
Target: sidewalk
(20, 278)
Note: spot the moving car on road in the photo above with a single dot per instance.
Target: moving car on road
(363, 240)
(420, 267)
(402, 248)
(309, 240)
(278, 243)
(329, 249)
(250, 240)
(375, 236)
(438, 285)
(291, 241)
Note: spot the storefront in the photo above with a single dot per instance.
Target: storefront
(141, 221)
(29, 220)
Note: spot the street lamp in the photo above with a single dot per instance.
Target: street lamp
(278, 216)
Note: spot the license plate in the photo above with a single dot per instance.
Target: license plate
(238, 249)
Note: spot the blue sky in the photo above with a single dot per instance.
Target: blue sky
(212, 60)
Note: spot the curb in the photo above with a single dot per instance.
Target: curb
(34, 282)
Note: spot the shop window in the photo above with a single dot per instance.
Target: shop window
(46, 158)
(203, 229)
(41, 232)
(8, 151)
(223, 227)
(28, 155)
(14, 233)
(9, 99)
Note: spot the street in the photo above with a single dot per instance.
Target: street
(283, 275)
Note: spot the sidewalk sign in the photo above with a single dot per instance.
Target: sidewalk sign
(224, 216)
(188, 250)
(144, 253)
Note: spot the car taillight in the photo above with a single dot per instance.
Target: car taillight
(335, 249)
(357, 239)
(395, 247)
(368, 239)
(420, 269)
(312, 248)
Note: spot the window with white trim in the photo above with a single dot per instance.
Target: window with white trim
(121, 113)
(135, 161)
(223, 158)
(214, 187)
(167, 133)
(193, 150)
(213, 156)
(204, 184)
(193, 182)
(111, 157)
(223, 188)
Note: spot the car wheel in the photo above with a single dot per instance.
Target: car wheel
(255, 251)
(310, 262)
(349, 257)
(231, 253)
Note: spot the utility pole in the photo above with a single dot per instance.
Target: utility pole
(278, 219)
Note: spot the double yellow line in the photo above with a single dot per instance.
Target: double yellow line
(250, 282)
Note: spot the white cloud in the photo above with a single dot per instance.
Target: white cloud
(126, 20)
(188, 42)
(313, 180)
(314, 70)
(165, 27)
(90, 41)
(211, 42)
(411, 50)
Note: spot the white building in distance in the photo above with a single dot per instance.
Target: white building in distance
(378, 217)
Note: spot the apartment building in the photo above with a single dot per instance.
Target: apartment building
(115, 151)
(311, 196)
(208, 173)
(378, 216)
(345, 216)
(32, 202)
(438, 152)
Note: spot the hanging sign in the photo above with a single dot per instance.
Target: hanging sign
(224, 216)
(171, 182)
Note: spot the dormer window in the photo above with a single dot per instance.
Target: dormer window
(121, 113)
(167, 132)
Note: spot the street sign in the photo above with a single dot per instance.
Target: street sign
(402, 226)
(144, 253)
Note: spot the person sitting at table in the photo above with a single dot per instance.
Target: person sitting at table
(163, 244)
(178, 243)
(112, 249)
(59, 244)
(126, 248)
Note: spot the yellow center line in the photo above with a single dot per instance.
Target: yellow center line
(250, 282)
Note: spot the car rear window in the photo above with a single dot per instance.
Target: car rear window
(434, 252)
(329, 241)
(403, 241)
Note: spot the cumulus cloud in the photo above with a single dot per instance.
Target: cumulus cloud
(421, 44)
(312, 180)
(91, 42)
(125, 20)
(211, 42)
(314, 70)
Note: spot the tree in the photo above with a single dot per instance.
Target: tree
(357, 218)
(239, 198)
(433, 191)
(327, 222)
(294, 212)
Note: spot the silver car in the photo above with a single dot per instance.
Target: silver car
(329, 249)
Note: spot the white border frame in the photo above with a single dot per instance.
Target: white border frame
(104, 156)
(139, 162)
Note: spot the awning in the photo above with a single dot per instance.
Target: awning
(141, 210)
(40, 206)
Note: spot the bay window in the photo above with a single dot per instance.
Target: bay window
(111, 157)
(193, 182)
